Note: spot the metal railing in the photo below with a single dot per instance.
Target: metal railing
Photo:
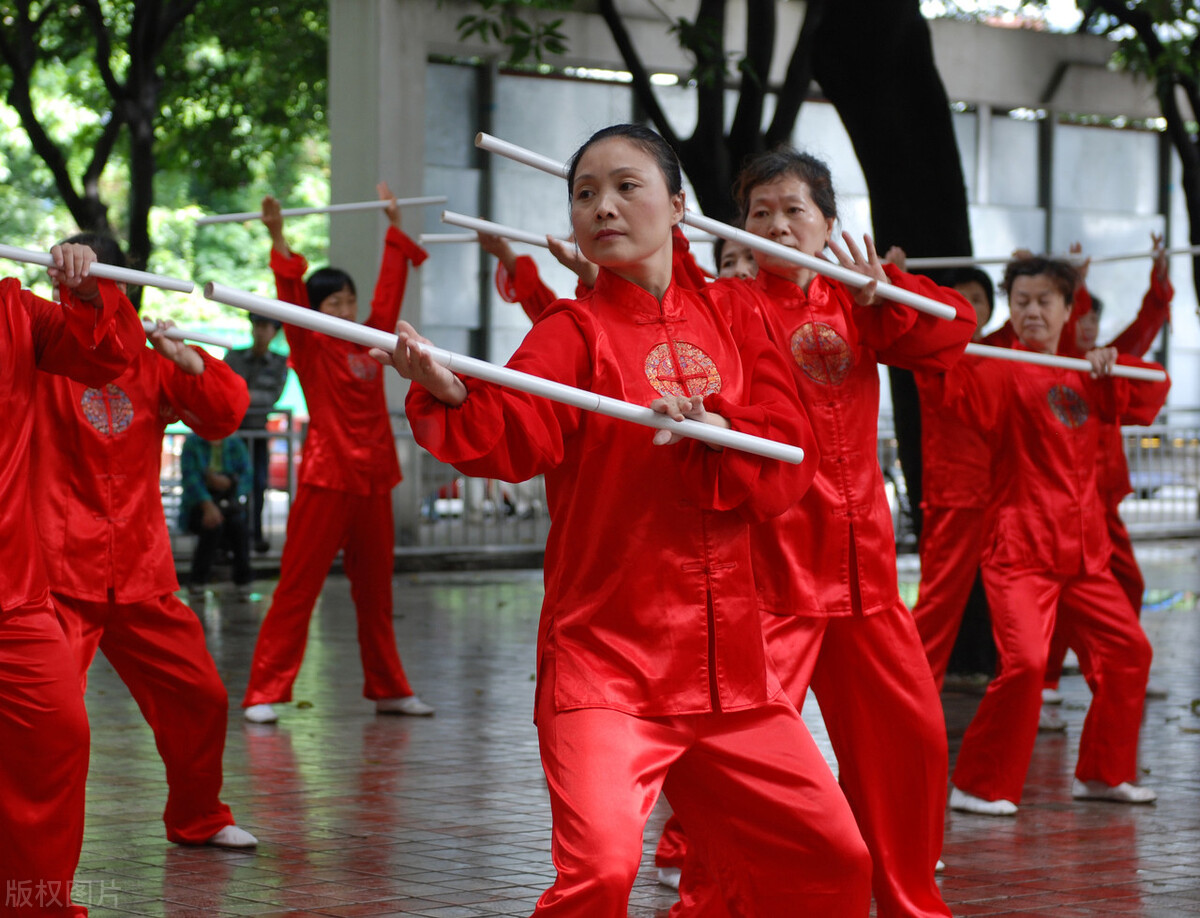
(453, 512)
(1164, 470)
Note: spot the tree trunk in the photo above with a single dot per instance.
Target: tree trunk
(874, 61)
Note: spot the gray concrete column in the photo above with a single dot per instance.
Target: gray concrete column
(377, 60)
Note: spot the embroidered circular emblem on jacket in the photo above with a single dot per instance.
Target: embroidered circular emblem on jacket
(822, 353)
(1068, 406)
(362, 366)
(696, 374)
(101, 405)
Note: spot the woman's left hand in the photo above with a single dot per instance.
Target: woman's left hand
(868, 265)
(177, 352)
(1102, 359)
(680, 408)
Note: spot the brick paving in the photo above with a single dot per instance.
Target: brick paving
(447, 817)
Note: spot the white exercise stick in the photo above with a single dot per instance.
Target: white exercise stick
(446, 238)
(1067, 363)
(968, 261)
(495, 229)
(503, 376)
(1134, 256)
(327, 209)
(716, 228)
(96, 269)
(175, 333)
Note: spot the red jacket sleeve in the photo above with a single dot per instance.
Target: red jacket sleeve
(90, 344)
(1131, 401)
(759, 488)
(1154, 314)
(1004, 336)
(903, 337)
(212, 403)
(503, 433)
(289, 274)
(525, 287)
(398, 251)
(971, 392)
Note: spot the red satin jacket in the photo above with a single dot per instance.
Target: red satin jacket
(834, 552)
(956, 460)
(1049, 515)
(350, 446)
(649, 605)
(90, 344)
(97, 453)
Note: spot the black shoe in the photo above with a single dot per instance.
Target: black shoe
(262, 546)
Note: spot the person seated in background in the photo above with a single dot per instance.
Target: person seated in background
(216, 493)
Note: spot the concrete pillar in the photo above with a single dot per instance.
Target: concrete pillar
(377, 60)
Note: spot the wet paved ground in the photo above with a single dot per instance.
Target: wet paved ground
(447, 816)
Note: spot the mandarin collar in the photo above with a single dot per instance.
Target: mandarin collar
(788, 293)
(633, 298)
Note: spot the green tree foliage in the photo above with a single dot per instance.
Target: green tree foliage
(505, 21)
(135, 117)
(1160, 39)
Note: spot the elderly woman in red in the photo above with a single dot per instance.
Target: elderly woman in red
(826, 569)
(92, 337)
(1049, 552)
(652, 671)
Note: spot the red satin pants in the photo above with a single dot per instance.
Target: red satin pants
(952, 540)
(322, 521)
(998, 744)
(758, 801)
(672, 844)
(157, 647)
(884, 718)
(1125, 568)
(43, 765)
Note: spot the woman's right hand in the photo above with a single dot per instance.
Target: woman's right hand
(414, 362)
(272, 218)
(499, 247)
(569, 256)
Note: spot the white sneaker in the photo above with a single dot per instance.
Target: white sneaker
(968, 803)
(1121, 793)
(940, 866)
(260, 714)
(409, 704)
(669, 876)
(233, 837)
(1050, 721)
(1051, 696)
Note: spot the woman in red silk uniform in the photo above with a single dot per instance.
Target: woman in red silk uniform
(91, 337)
(97, 454)
(1049, 552)
(348, 470)
(652, 672)
(957, 484)
(1112, 476)
(826, 569)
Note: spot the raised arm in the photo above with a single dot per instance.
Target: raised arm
(94, 334)
(398, 252)
(1136, 339)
